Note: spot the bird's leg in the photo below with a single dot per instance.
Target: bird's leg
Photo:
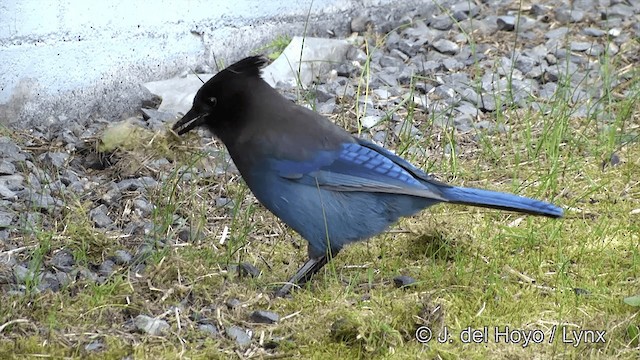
(310, 267)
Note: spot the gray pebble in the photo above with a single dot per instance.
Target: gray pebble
(463, 123)
(23, 274)
(49, 281)
(160, 116)
(580, 291)
(390, 61)
(151, 325)
(370, 121)
(619, 10)
(441, 22)
(239, 335)
(264, 317)
(100, 217)
(7, 168)
(356, 54)
(54, 159)
(565, 15)
(506, 23)
(62, 259)
(5, 219)
(106, 268)
(43, 202)
(83, 272)
(409, 47)
(580, 45)
(466, 7)
(485, 125)
(9, 151)
(539, 10)
(446, 47)
(590, 31)
(233, 303)
(122, 257)
(247, 269)
(401, 281)
(557, 33)
(209, 329)
(143, 207)
(95, 346)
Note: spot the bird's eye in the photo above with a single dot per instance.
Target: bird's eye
(213, 101)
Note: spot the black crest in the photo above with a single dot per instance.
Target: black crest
(250, 65)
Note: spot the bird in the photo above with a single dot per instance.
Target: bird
(331, 187)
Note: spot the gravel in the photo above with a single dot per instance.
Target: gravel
(460, 84)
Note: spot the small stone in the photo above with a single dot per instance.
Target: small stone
(12, 182)
(583, 292)
(106, 268)
(151, 325)
(360, 23)
(446, 47)
(85, 273)
(463, 123)
(442, 22)
(7, 194)
(539, 10)
(153, 114)
(403, 281)
(485, 125)
(54, 159)
(370, 121)
(49, 281)
(590, 31)
(247, 269)
(466, 7)
(62, 259)
(356, 54)
(239, 335)
(390, 61)
(557, 33)
(470, 95)
(264, 317)
(7, 168)
(327, 107)
(144, 207)
(5, 219)
(506, 23)
(409, 47)
(452, 64)
(580, 45)
(43, 202)
(209, 329)
(94, 346)
(233, 303)
(525, 63)
(619, 10)
(100, 217)
(122, 257)
(565, 15)
(467, 109)
(615, 32)
(10, 151)
(382, 94)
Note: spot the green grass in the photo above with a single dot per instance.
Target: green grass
(476, 268)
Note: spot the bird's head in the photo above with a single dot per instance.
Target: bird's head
(219, 97)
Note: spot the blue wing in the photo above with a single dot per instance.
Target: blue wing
(359, 166)
(364, 166)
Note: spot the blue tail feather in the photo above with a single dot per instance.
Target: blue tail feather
(499, 200)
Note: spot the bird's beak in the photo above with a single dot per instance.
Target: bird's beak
(190, 120)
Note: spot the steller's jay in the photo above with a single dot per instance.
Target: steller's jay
(329, 186)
